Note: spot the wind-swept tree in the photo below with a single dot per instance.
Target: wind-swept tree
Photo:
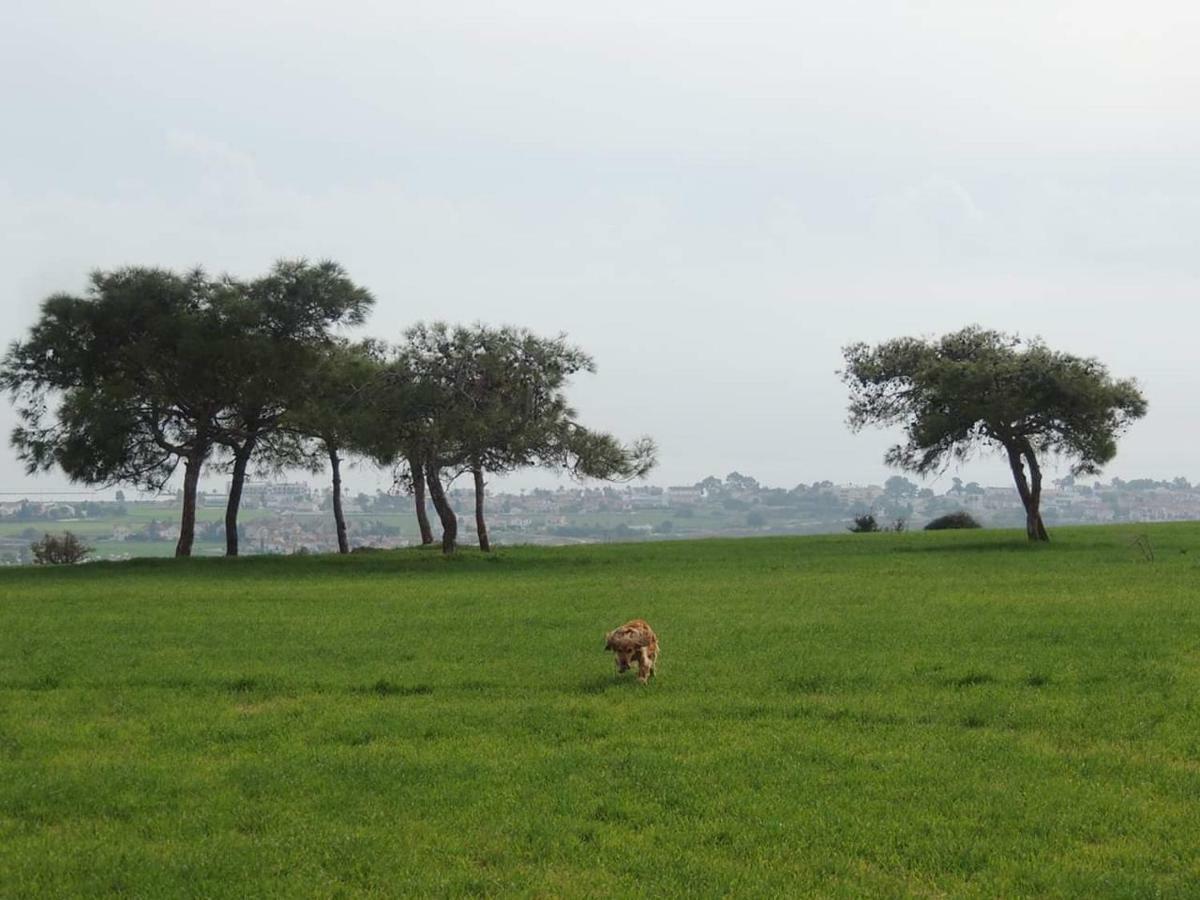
(978, 388)
(122, 384)
(280, 332)
(495, 403)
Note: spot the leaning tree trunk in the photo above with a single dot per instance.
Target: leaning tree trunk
(339, 517)
(418, 484)
(1034, 524)
(480, 525)
(187, 523)
(1031, 494)
(241, 460)
(449, 520)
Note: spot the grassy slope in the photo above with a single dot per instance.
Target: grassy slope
(879, 714)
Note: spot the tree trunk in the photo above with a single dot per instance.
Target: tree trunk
(339, 517)
(187, 523)
(1031, 497)
(449, 521)
(241, 460)
(1034, 526)
(418, 484)
(480, 524)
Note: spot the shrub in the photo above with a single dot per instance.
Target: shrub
(864, 524)
(953, 520)
(59, 549)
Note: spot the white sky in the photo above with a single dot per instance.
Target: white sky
(710, 198)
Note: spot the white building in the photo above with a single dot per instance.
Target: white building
(684, 495)
(276, 494)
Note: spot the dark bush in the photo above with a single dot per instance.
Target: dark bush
(59, 549)
(953, 520)
(864, 524)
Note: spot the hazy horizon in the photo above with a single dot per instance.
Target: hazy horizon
(711, 204)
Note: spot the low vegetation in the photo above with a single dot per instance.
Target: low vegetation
(959, 713)
(953, 520)
(59, 549)
(868, 524)
(865, 524)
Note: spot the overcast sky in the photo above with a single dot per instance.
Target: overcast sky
(711, 198)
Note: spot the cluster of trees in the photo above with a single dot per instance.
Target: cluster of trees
(151, 371)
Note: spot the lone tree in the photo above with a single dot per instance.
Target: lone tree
(978, 388)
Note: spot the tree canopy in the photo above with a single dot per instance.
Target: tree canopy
(123, 384)
(978, 388)
(279, 334)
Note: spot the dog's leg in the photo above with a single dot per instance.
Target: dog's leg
(651, 657)
(622, 661)
(645, 667)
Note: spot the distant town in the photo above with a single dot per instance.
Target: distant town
(294, 517)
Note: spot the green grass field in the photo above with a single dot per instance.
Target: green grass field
(953, 714)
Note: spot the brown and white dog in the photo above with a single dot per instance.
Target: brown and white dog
(634, 640)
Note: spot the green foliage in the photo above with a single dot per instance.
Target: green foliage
(152, 368)
(865, 524)
(953, 520)
(347, 725)
(59, 549)
(120, 384)
(278, 355)
(978, 387)
(339, 408)
(592, 454)
(494, 399)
